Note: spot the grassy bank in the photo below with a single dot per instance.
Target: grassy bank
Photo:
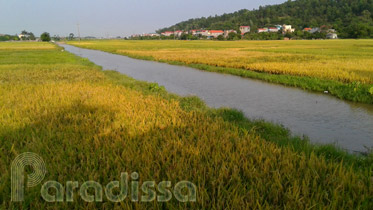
(344, 68)
(88, 124)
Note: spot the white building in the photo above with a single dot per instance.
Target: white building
(262, 30)
(23, 36)
(245, 29)
(332, 36)
(287, 29)
(167, 33)
(273, 30)
(195, 32)
(178, 33)
(205, 32)
(315, 30)
(215, 33)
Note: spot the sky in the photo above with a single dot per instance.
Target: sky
(110, 18)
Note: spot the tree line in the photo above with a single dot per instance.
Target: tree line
(25, 35)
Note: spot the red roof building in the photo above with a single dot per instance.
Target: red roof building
(262, 30)
(216, 31)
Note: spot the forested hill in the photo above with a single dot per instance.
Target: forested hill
(351, 18)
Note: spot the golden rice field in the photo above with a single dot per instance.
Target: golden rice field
(341, 60)
(88, 124)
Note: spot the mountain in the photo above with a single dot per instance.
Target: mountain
(351, 18)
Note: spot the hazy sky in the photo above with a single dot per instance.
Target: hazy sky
(104, 18)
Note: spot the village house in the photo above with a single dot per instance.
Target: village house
(307, 29)
(262, 30)
(215, 33)
(244, 29)
(195, 32)
(23, 36)
(135, 35)
(167, 33)
(279, 27)
(331, 31)
(178, 33)
(205, 33)
(287, 29)
(273, 30)
(315, 30)
(151, 35)
(332, 36)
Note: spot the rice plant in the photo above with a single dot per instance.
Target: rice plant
(92, 125)
(333, 62)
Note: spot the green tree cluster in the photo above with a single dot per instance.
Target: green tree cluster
(45, 37)
(27, 35)
(8, 37)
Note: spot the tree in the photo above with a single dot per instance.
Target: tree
(31, 36)
(56, 38)
(220, 37)
(25, 35)
(231, 36)
(71, 36)
(45, 37)
(184, 36)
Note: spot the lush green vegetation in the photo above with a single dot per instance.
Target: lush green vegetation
(26, 36)
(45, 37)
(344, 68)
(352, 19)
(7, 37)
(92, 125)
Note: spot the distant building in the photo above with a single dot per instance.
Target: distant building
(244, 29)
(195, 32)
(150, 35)
(332, 36)
(262, 30)
(307, 29)
(215, 33)
(23, 36)
(325, 28)
(315, 30)
(205, 33)
(227, 32)
(273, 30)
(279, 27)
(330, 31)
(178, 33)
(167, 33)
(287, 29)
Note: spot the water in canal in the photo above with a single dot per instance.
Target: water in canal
(323, 118)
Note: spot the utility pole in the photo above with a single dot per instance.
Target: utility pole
(78, 31)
